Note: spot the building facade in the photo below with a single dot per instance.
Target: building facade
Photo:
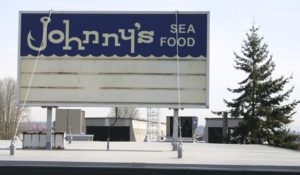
(213, 131)
(123, 129)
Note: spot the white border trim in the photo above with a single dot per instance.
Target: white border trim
(117, 12)
(208, 60)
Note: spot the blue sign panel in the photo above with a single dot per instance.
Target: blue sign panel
(118, 34)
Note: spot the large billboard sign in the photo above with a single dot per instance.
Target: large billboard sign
(114, 58)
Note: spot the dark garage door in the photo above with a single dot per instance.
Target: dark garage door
(215, 135)
(117, 133)
(186, 126)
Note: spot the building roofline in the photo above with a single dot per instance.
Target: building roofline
(215, 118)
(102, 118)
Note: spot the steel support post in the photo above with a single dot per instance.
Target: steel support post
(49, 128)
(175, 131)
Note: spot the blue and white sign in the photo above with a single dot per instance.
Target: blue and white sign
(114, 59)
(136, 34)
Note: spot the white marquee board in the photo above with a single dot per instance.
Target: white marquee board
(113, 70)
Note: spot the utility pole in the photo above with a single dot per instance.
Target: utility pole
(225, 126)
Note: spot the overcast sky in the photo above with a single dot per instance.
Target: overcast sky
(279, 22)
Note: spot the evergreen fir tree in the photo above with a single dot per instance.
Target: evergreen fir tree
(262, 101)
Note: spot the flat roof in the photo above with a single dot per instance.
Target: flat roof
(155, 155)
(113, 118)
(110, 118)
(221, 118)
